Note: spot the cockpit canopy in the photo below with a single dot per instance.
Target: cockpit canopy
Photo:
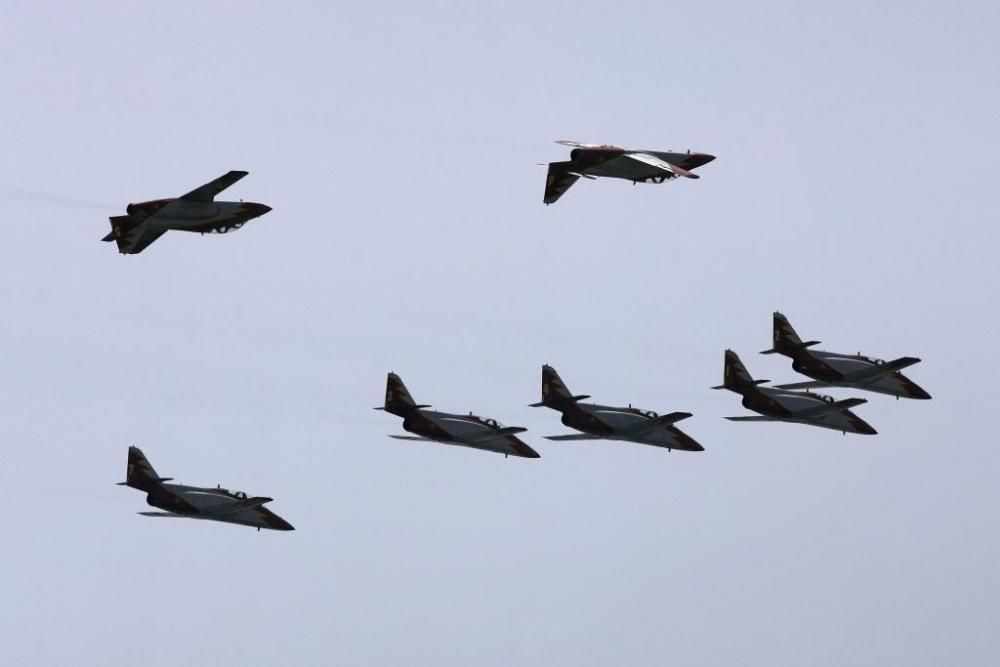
(488, 421)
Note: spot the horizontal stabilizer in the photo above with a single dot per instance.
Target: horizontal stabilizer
(791, 347)
(752, 382)
(417, 407)
(410, 437)
(752, 419)
(850, 403)
(573, 436)
(165, 514)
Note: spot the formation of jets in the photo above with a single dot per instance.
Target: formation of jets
(198, 211)
(784, 402)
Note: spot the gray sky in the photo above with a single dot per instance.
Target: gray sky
(854, 190)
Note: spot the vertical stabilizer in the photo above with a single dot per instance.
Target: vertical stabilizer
(397, 399)
(735, 375)
(140, 473)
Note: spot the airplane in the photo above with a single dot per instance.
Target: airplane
(451, 429)
(197, 211)
(604, 422)
(193, 502)
(775, 404)
(829, 369)
(639, 166)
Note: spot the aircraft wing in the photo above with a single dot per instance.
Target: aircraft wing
(558, 181)
(167, 515)
(410, 437)
(498, 433)
(884, 369)
(136, 239)
(830, 408)
(207, 192)
(573, 436)
(760, 418)
(654, 161)
(812, 384)
(233, 508)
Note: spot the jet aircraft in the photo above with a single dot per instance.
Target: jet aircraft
(829, 369)
(452, 429)
(193, 502)
(197, 211)
(775, 404)
(639, 166)
(604, 422)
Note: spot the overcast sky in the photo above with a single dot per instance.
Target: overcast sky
(855, 190)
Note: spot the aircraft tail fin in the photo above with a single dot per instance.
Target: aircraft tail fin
(786, 341)
(121, 225)
(140, 473)
(555, 394)
(735, 375)
(397, 399)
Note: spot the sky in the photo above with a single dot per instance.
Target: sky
(397, 144)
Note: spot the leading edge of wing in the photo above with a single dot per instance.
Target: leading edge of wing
(208, 191)
(813, 384)
(654, 161)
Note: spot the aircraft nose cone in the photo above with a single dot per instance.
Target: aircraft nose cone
(256, 210)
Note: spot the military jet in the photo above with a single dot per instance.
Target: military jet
(466, 430)
(639, 166)
(193, 502)
(197, 211)
(829, 369)
(790, 406)
(604, 422)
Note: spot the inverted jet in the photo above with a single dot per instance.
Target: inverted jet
(197, 211)
(195, 502)
(592, 161)
(605, 422)
(829, 369)
(774, 404)
(451, 429)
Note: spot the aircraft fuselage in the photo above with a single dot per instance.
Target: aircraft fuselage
(801, 407)
(627, 424)
(206, 503)
(196, 216)
(855, 371)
